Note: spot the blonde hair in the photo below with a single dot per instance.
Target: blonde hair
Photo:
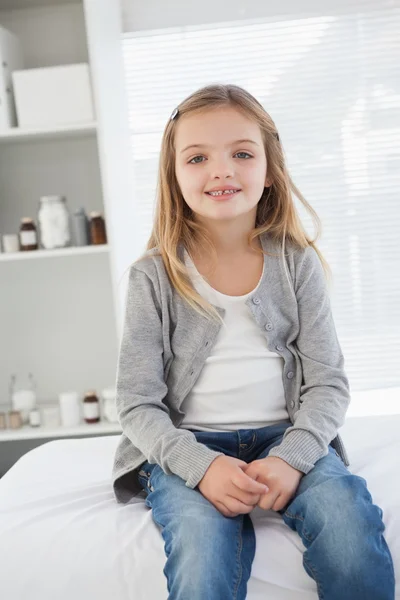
(174, 223)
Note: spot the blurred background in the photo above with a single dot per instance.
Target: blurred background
(86, 89)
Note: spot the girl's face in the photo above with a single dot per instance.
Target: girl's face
(228, 154)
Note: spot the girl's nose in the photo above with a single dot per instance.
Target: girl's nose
(222, 169)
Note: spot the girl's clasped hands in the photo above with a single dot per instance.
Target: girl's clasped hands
(235, 487)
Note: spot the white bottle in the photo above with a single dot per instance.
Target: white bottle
(69, 409)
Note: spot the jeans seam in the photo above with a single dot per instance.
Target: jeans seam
(238, 559)
(320, 594)
(288, 514)
(253, 443)
(308, 538)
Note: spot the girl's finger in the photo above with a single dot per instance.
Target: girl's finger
(225, 510)
(280, 503)
(268, 500)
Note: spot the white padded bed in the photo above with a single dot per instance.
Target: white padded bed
(62, 534)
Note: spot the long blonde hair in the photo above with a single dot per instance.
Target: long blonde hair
(174, 223)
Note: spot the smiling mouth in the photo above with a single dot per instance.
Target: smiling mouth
(223, 196)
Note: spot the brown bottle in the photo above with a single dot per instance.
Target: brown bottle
(91, 407)
(97, 229)
(28, 235)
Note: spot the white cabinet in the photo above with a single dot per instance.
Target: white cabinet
(58, 313)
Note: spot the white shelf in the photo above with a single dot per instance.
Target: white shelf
(18, 134)
(15, 4)
(37, 254)
(29, 433)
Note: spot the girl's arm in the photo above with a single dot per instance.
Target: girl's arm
(141, 388)
(324, 395)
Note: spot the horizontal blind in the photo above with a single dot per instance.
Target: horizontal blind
(331, 83)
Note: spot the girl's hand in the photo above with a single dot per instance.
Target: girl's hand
(228, 488)
(281, 479)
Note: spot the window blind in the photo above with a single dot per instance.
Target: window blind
(329, 77)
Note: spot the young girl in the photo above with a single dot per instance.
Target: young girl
(231, 385)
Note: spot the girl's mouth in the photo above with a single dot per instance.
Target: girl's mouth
(223, 195)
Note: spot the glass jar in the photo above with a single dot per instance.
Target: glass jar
(28, 235)
(97, 229)
(54, 223)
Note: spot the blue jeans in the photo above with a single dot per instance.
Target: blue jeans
(209, 556)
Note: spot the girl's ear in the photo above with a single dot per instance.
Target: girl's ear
(268, 182)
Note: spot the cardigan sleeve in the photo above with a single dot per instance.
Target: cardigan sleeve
(324, 393)
(141, 389)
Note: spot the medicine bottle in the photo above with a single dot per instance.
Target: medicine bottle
(27, 235)
(97, 229)
(91, 407)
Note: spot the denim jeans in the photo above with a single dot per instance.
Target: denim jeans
(209, 556)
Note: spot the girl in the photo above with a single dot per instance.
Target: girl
(231, 385)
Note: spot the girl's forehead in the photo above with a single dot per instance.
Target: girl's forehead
(223, 121)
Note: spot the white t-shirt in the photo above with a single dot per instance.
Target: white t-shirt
(240, 385)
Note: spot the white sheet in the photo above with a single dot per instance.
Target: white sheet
(62, 534)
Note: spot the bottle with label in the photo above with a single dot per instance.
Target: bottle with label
(91, 407)
(28, 235)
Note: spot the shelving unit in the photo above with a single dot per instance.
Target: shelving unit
(57, 317)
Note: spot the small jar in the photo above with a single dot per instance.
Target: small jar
(54, 224)
(34, 418)
(10, 243)
(15, 419)
(91, 407)
(97, 229)
(28, 235)
(3, 421)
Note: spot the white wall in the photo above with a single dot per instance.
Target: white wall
(138, 15)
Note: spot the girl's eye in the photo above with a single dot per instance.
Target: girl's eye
(244, 153)
(196, 163)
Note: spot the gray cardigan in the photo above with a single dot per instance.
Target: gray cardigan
(164, 346)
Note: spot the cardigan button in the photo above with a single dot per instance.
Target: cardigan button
(269, 326)
(256, 300)
(279, 348)
(292, 403)
(290, 375)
